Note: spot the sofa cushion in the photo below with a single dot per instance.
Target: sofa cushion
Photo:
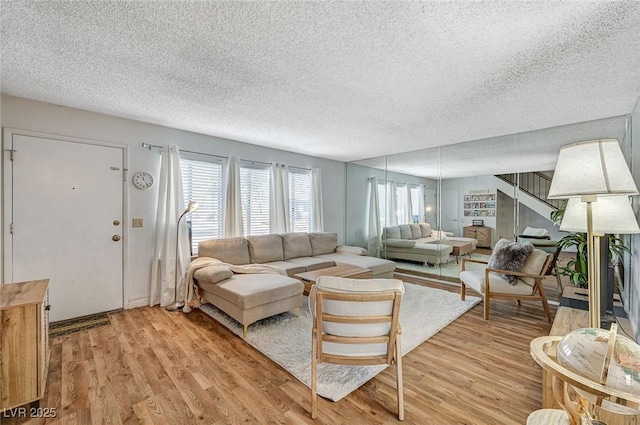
(475, 280)
(296, 245)
(400, 243)
(376, 265)
(415, 231)
(212, 274)
(251, 290)
(323, 243)
(405, 231)
(391, 232)
(265, 248)
(425, 229)
(227, 250)
(312, 263)
(290, 267)
(350, 249)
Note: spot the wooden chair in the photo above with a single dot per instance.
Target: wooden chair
(528, 285)
(551, 247)
(356, 322)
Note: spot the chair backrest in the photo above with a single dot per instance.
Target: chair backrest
(537, 263)
(358, 319)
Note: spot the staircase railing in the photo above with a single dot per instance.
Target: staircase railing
(535, 184)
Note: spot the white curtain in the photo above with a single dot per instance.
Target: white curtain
(421, 212)
(317, 221)
(408, 208)
(374, 241)
(165, 250)
(392, 204)
(279, 199)
(233, 202)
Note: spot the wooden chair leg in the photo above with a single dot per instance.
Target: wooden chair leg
(547, 312)
(398, 355)
(463, 291)
(559, 280)
(486, 307)
(314, 366)
(244, 330)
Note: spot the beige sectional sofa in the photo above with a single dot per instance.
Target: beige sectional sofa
(248, 297)
(419, 242)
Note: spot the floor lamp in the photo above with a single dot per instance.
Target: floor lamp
(177, 305)
(591, 171)
(610, 215)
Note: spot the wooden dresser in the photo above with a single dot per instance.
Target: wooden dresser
(481, 233)
(24, 342)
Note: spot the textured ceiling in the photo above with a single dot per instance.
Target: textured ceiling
(340, 80)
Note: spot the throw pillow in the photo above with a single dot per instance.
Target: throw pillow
(415, 231)
(405, 231)
(212, 274)
(439, 235)
(425, 228)
(532, 231)
(511, 256)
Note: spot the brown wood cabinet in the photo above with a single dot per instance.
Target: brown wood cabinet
(24, 342)
(481, 233)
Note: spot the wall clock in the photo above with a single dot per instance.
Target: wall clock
(142, 180)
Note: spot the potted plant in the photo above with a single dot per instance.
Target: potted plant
(577, 269)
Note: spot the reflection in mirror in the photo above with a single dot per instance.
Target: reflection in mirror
(499, 184)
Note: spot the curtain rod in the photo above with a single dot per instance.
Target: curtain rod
(150, 146)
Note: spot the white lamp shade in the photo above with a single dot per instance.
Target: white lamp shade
(611, 214)
(595, 167)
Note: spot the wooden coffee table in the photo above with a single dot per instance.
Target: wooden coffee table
(460, 248)
(341, 270)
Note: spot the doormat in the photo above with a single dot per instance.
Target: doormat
(79, 324)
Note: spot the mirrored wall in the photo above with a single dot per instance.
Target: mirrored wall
(485, 190)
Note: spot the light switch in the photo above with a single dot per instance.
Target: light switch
(137, 222)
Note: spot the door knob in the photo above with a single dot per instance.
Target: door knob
(116, 238)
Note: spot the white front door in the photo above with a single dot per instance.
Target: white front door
(67, 222)
(451, 210)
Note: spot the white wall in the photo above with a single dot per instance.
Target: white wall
(466, 185)
(632, 279)
(24, 114)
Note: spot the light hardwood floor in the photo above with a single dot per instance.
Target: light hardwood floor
(152, 366)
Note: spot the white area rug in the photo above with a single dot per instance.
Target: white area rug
(450, 270)
(286, 338)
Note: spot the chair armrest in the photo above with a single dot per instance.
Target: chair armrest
(471, 260)
(512, 273)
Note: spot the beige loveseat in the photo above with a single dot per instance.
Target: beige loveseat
(419, 242)
(248, 297)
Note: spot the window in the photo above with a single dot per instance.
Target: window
(202, 182)
(401, 203)
(254, 184)
(415, 204)
(300, 200)
(382, 204)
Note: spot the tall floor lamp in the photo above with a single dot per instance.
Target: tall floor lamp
(177, 305)
(591, 171)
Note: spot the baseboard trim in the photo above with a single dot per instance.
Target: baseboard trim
(140, 302)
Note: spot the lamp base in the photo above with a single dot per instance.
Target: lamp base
(174, 306)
